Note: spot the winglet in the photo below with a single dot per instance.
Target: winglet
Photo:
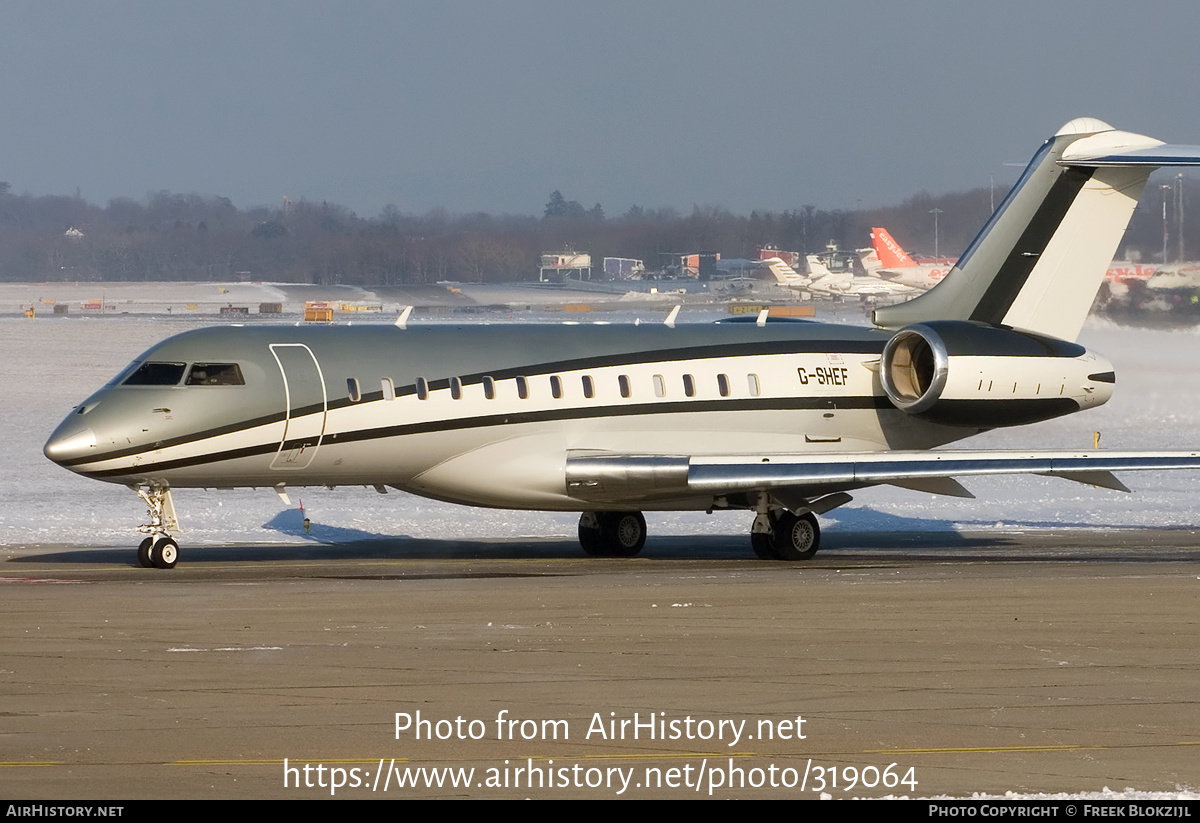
(670, 321)
(402, 320)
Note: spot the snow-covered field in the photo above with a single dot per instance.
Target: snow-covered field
(52, 363)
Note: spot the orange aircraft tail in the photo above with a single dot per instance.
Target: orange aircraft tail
(889, 251)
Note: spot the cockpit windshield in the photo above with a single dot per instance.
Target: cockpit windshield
(215, 374)
(199, 374)
(156, 374)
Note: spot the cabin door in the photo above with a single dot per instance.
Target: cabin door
(306, 402)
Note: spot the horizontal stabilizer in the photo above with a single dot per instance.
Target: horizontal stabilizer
(1156, 156)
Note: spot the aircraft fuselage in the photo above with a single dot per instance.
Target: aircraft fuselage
(464, 413)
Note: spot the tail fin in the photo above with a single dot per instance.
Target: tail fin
(869, 260)
(784, 273)
(816, 268)
(1041, 256)
(889, 251)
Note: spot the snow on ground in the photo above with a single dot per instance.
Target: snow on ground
(120, 298)
(55, 362)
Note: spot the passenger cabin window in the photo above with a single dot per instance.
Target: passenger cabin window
(723, 384)
(623, 382)
(455, 388)
(215, 374)
(660, 386)
(689, 385)
(352, 389)
(556, 386)
(388, 388)
(589, 388)
(156, 374)
(489, 388)
(753, 385)
(522, 388)
(422, 388)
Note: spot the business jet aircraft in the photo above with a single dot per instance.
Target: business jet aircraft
(785, 275)
(778, 419)
(846, 284)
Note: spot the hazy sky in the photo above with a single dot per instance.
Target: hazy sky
(489, 106)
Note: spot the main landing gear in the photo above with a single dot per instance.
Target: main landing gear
(777, 534)
(158, 549)
(788, 536)
(780, 534)
(612, 534)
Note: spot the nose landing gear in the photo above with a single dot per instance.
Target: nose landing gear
(158, 549)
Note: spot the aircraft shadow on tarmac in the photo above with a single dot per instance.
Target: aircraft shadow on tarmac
(859, 536)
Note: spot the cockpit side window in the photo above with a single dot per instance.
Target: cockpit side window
(215, 374)
(156, 374)
(120, 376)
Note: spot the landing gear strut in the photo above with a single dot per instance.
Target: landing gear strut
(612, 534)
(158, 549)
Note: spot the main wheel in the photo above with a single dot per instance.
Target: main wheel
(589, 535)
(143, 553)
(796, 538)
(165, 553)
(761, 543)
(622, 533)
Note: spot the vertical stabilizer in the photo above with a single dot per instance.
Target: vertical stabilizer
(815, 267)
(1039, 259)
(784, 274)
(869, 260)
(891, 255)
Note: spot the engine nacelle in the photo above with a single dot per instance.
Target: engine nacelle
(962, 373)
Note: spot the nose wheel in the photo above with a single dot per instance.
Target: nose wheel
(143, 554)
(158, 550)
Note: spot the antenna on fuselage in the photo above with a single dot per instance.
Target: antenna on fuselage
(402, 320)
(670, 321)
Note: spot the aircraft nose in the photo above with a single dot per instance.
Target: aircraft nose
(69, 442)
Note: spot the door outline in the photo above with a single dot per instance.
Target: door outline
(301, 436)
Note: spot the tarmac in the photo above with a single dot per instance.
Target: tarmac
(917, 664)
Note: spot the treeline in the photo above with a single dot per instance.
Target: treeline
(170, 236)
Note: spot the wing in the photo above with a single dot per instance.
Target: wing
(804, 478)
